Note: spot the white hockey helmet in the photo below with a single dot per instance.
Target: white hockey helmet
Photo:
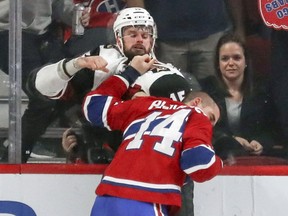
(134, 16)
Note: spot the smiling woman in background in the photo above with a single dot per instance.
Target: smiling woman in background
(245, 102)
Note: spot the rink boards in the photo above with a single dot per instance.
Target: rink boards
(68, 190)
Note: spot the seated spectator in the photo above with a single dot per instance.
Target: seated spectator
(99, 31)
(246, 115)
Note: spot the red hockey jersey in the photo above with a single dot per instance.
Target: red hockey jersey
(163, 141)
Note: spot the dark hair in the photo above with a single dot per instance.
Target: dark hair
(247, 85)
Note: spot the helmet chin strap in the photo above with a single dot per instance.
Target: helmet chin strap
(152, 54)
(119, 44)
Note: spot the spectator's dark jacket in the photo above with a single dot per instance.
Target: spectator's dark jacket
(256, 117)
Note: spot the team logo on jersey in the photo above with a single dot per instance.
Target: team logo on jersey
(274, 13)
(111, 6)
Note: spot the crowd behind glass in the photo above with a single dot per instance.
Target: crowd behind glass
(264, 96)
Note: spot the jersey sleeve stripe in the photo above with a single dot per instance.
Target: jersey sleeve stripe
(98, 106)
(200, 157)
(201, 167)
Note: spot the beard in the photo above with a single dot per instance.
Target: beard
(135, 50)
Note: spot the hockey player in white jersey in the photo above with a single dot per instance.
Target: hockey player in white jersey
(135, 32)
(53, 80)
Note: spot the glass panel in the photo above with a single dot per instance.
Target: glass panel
(4, 83)
(10, 37)
(45, 133)
(4, 120)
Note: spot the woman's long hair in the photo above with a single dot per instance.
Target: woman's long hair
(247, 85)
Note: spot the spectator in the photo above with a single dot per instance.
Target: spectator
(246, 115)
(99, 31)
(188, 31)
(40, 44)
(161, 136)
(53, 82)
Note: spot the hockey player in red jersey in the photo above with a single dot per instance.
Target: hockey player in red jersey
(163, 141)
(135, 33)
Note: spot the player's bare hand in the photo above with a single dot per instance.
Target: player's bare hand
(69, 140)
(142, 63)
(92, 62)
